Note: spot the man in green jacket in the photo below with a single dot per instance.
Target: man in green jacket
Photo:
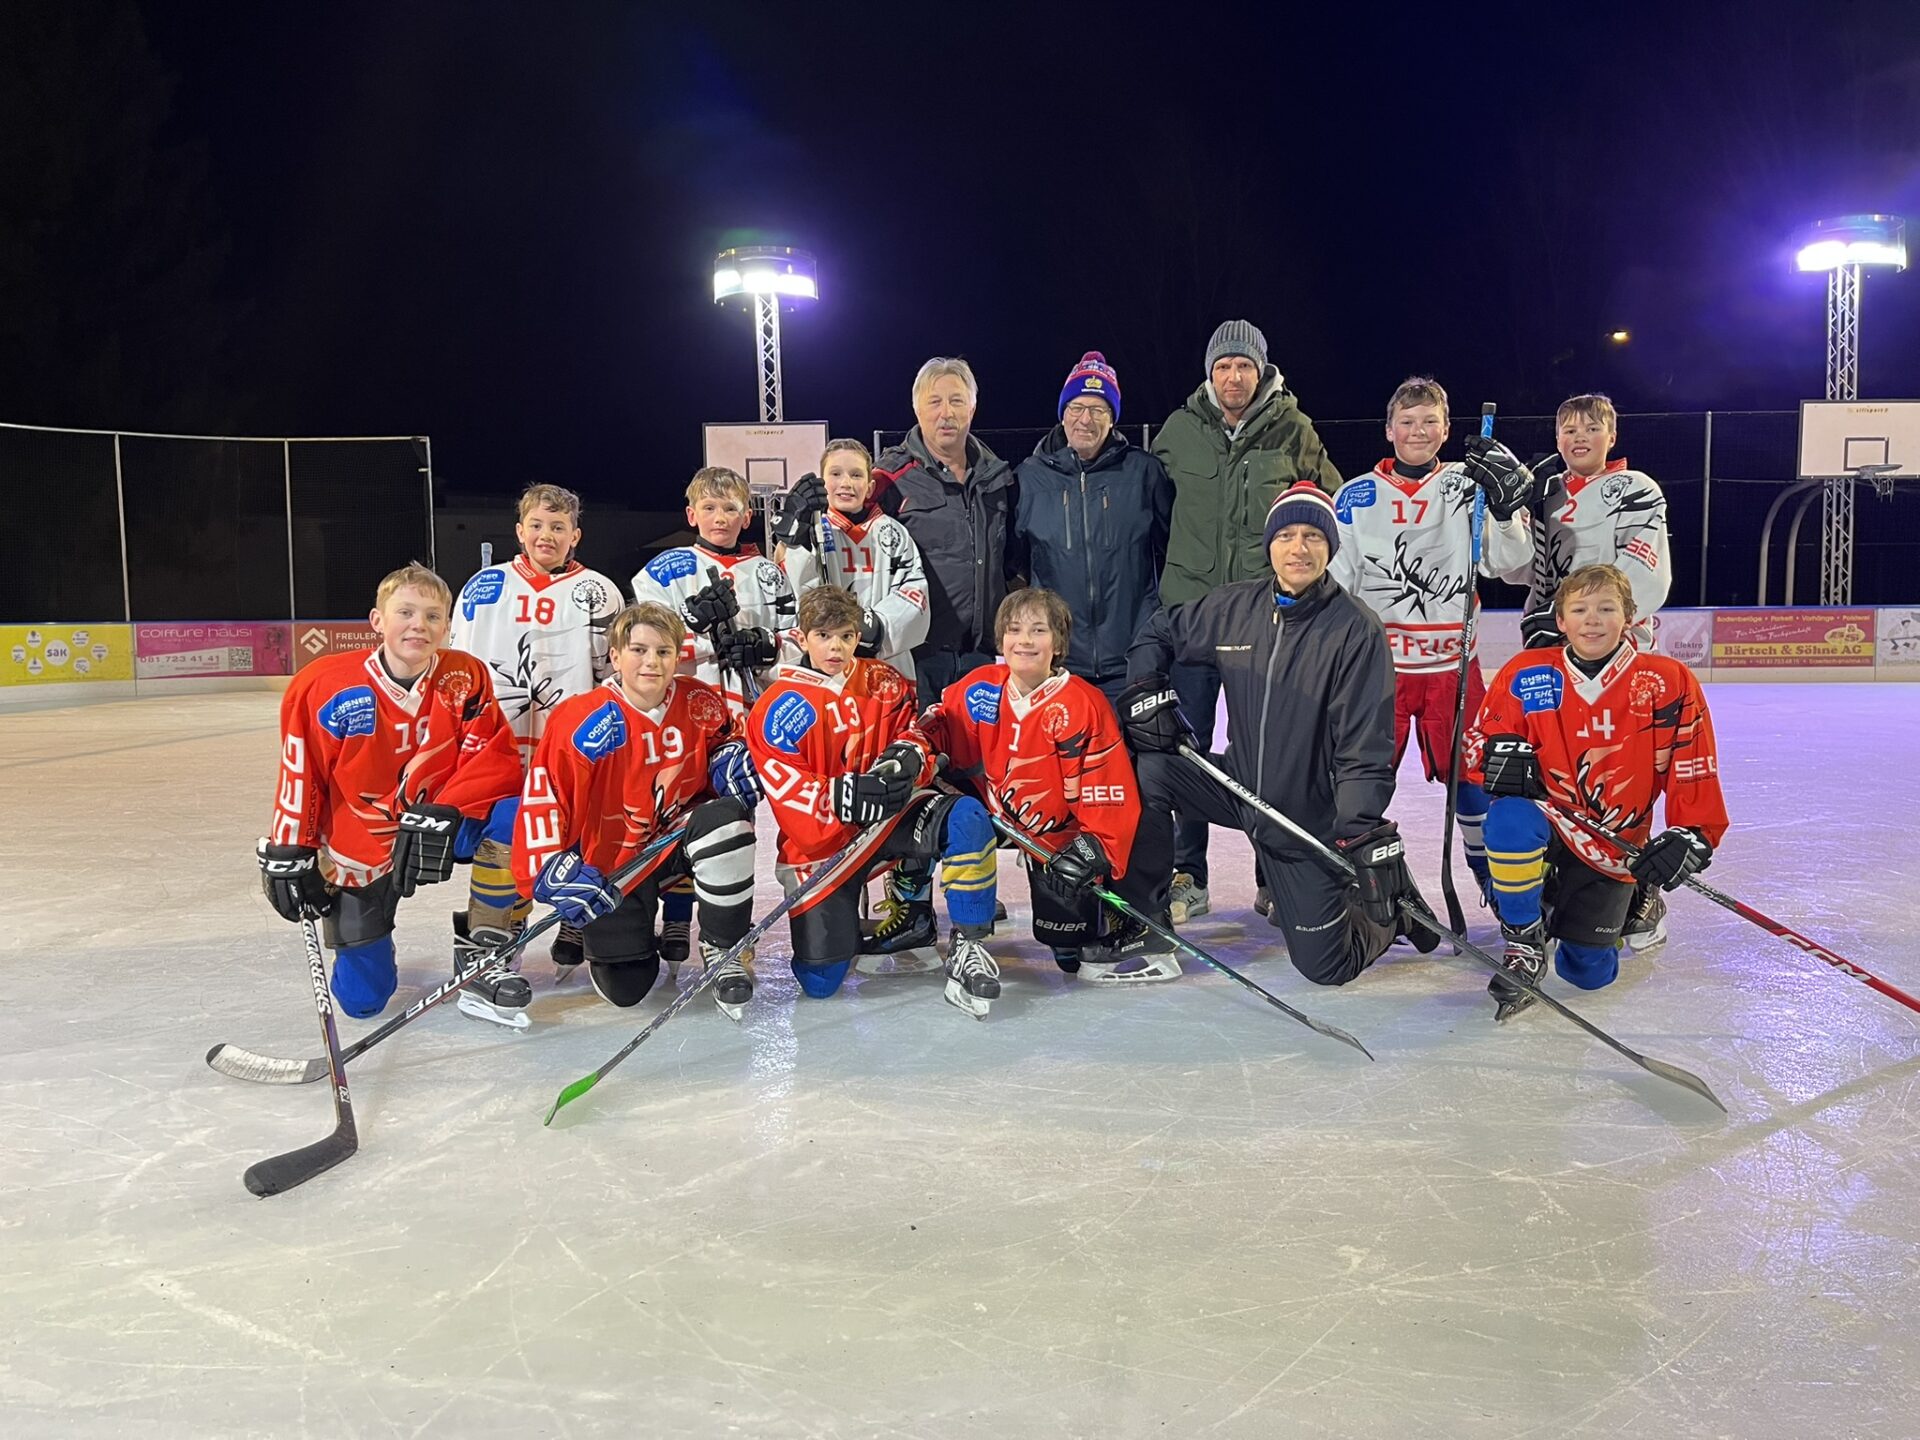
(1239, 441)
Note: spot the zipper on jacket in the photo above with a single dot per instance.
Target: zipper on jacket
(1093, 584)
(1266, 699)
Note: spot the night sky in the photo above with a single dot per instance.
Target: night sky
(495, 223)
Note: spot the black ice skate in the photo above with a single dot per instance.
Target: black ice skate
(676, 943)
(496, 993)
(1134, 955)
(904, 940)
(1646, 927)
(569, 950)
(1526, 956)
(973, 978)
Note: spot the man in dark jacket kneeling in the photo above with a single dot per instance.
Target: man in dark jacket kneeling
(1309, 688)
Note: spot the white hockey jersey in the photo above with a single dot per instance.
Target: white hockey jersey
(1406, 547)
(542, 637)
(1617, 517)
(766, 601)
(875, 558)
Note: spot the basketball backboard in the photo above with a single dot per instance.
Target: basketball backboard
(1875, 439)
(771, 456)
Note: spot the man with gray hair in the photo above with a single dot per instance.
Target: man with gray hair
(1238, 443)
(954, 496)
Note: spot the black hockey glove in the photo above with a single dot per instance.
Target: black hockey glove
(872, 634)
(1540, 631)
(290, 875)
(1497, 470)
(713, 605)
(875, 795)
(1671, 856)
(1383, 885)
(1150, 716)
(1512, 767)
(748, 649)
(1079, 867)
(800, 512)
(904, 756)
(1546, 469)
(423, 846)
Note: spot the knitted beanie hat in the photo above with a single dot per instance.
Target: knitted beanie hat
(1304, 504)
(1092, 376)
(1237, 337)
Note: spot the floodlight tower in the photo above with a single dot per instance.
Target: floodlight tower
(764, 277)
(1845, 247)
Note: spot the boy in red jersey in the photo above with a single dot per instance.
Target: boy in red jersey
(392, 760)
(619, 766)
(840, 758)
(1044, 747)
(1598, 727)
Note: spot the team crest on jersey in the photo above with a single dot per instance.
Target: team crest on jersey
(602, 732)
(1539, 687)
(351, 712)
(486, 588)
(1054, 721)
(706, 709)
(456, 684)
(1646, 690)
(1358, 496)
(788, 719)
(893, 541)
(1454, 484)
(771, 577)
(983, 703)
(670, 566)
(886, 684)
(589, 595)
(1613, 491)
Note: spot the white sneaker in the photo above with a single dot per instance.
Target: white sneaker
(1187, 900)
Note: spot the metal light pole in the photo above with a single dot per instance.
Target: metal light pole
(1845, 247)
(766, 276)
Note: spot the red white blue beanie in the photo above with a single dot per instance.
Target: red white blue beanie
(1092, 376)
(1304, 504)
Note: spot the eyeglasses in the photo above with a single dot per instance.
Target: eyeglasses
(1090, 410)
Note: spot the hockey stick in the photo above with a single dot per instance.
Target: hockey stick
(1686, 1079)
(1039, 852)
(749, 689)
(1747, 912)
(283, 1172)
(813, 882)
(1468, 624)
(241, 1064)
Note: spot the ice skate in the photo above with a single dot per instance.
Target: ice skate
(1646, 927)
(676, 943)
(1067, 957)
(496, 993)
(569, 950)
(904, 940)
(1526, 956)
(973, 977)
(732, 982)
(1134, 955)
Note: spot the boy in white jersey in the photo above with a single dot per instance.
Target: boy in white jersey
(736, 603)
(865, 551)
(539, 624)
(1406, 552)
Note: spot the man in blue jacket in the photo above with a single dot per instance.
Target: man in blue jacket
(1090, 524)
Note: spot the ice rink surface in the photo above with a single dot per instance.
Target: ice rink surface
(1163, 1211)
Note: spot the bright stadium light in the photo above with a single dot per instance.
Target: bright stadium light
(762, 278)
(1854, 240)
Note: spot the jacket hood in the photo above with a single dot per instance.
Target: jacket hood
(1272, 396)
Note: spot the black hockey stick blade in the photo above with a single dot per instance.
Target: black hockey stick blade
(282, 1172)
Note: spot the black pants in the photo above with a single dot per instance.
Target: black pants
(934, 670)
(1198, 686)
(1328, 938)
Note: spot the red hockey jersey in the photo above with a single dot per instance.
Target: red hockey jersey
(610, 777)
(808, 728)
(1609, 745)
(355, 747)
(1051, 761)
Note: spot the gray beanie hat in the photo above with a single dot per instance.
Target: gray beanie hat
(1237, 337)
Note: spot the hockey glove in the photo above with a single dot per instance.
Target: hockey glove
(290, 875)
(800, 512)
(1512, 767)
(1541, 631)
(748, 649)
(868, 798)
(1497, 470)
(578, 891)
(1547, 469)
(1080, 866)
(1383, 885)
(872, 634)
(713, 605)
(906, 757)
(1671, 857)
(730, 772)
(423, 846)
(1150, 716)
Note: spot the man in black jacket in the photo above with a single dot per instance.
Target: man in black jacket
(1309, 688)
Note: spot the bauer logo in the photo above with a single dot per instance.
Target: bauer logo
(1539, 687)
(602, 732)
(671, 566)
(788, 718)
(351, 712)
(983, 703)
(1357, 496)
(486, 588)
